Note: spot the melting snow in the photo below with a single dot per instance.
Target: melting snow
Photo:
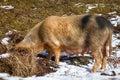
(68, 72)
(116, 20)
(7, 7)
(90, 6)
(5, 55)
(78, 5)
(5, 41)
(9, 32)
(115, 41)
(114, 12)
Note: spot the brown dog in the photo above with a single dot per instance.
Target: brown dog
(71, 33)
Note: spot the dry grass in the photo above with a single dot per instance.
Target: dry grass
(22, 62)
(19, 64)
(27, 13)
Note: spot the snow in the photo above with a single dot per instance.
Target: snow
(78, 5)
(9, 32)
(116, 20)
(5, 55)
(118, 52)
(88, 6)
(115, 41)
(7, 7)
(5, 41)
(114, 12)
(4, 74)
(91, 6)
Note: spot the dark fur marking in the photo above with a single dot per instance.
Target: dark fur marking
(85, 20)
(103, 22)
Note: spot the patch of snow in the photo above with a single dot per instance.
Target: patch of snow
(78, 5)
(64, 72)
(34, 8)
(7, 7)
(115, 41)
(68, 72)
(114, 12)
(12, 78)
(118, 52)
(64, 15)
(5, 41)
(100, 14)
(5, 55)
(91, 6)
(64, 54)
(3, 74)
(116, 20)
(8, 33)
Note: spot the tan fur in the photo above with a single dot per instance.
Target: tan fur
(65, 33)
(31, 40)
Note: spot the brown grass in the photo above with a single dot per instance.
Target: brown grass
(19, 64)
(27, 13)
(22, 62)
